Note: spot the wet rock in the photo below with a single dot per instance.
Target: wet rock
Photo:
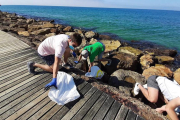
(104, 37)
(157, 70)
(177, 75)
(162, 52)
(146, 61)
(131, 51)
(164, 59)
(121, 61)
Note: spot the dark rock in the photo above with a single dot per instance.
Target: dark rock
(162, 52)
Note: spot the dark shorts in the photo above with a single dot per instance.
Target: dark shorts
(101, 54)
(48, 59)
(151, 82)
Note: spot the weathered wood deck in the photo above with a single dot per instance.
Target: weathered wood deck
(22, 95)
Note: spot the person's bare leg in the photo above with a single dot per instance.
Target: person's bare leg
(66, 54)
(44, 67)
(161, 109)
(151, 94)
(171, 106)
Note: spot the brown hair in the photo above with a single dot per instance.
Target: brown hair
(76, 38)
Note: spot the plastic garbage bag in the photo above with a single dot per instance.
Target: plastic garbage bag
(95, 72)
(66, 89)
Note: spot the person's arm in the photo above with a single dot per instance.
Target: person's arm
(56, 66)
(91, 64)
(80, 57)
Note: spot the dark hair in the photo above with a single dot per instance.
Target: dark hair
(76, 38)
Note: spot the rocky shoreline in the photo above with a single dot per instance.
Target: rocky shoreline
(131, 63)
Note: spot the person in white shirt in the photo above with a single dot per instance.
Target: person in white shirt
(169, 89)
(51, 51)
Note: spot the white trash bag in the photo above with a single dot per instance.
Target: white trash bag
(66, 91)
(95, 72)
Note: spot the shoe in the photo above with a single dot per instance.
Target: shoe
(145, 86)
(136, 89)
(109, 62)
(31, 68)
(67, 65)
(177, 110)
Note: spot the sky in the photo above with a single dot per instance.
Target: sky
(138, 4)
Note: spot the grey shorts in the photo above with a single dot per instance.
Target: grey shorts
(151, 82)
(101, 54)
(48, 59)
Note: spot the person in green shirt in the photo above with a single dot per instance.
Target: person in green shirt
(92, 51)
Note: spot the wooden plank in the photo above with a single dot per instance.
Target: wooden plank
(35, 109)
(92, 112)
(34, 87)
(139, 118)
(113, 111)
(78, 105)
(104, 109)
(131, 115)
(16, 54)
(19, 85)
(24, 63)
(28, 106)
(57, 108)
(122, 113)
(24, 88)
(21, 101)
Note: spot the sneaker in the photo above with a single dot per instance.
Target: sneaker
(177, 110)
(145, 86)
(67, 65)
(109, 62)
(31, 68)
(136, 89)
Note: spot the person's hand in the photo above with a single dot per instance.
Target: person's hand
(52, 83)
(76, 62)
(74, 54)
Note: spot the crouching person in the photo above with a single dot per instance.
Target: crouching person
(169, 89)
(51, 51)
(91, 51)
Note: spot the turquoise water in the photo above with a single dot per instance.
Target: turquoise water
(161, 27)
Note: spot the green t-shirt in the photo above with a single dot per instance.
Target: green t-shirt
(94, 50)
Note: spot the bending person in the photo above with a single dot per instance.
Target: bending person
(51, 51)
(92, 51)
(169, 89)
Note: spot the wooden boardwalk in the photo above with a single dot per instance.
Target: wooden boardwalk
(22, 95)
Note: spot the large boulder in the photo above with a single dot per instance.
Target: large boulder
(30, 21)
(68, 29)
(23, 33)
(157, 70)
(162, 52)
(145, 61)
(121, 61)
(177, 75)
(91, 34)
(110, 45)
(32, 28)
(48, 25)
(125, 80)
(131, 51)
(164, 59)
(41, 31)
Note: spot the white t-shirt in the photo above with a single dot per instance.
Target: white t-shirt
(54, 45)
(169, 89)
